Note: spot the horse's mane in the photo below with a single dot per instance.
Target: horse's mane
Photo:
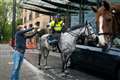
(76, 26)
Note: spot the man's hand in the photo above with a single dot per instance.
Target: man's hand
(38, 29)
(35, 27)
(49, 28)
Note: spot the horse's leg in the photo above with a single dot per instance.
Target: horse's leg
(41, 53)
(46, 56)
(62, 60)
(64, 65)
(39, 58)
(66, 61)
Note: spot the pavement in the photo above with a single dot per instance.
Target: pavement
(30, 69)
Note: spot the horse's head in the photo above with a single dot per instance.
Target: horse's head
(104, 21)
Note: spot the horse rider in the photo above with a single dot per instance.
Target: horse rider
(56, 26)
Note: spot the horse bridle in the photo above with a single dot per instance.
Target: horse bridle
(89, 30)
(111, 34)
(86, 28)
(73, 34)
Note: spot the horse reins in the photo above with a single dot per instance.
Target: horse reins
(73, 34)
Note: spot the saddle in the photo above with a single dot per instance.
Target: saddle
(53, 41)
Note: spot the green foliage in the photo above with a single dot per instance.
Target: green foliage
(18, 22)
(6, 13)
(7, 32)
(5, 25)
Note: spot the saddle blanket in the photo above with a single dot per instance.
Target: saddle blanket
(52, 40)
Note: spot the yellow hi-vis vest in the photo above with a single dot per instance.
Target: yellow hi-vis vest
(58, 26)
(52, 23)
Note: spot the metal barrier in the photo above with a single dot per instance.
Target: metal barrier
(113, 51)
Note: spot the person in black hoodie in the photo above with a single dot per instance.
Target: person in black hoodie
(19, 50)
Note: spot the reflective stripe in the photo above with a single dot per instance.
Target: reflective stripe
(58, 26)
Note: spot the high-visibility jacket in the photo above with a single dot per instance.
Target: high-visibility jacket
(56, 26)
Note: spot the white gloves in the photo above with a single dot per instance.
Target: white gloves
(49, 27)
(38, 29)
(35, 27)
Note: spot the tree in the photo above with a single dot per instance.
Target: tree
(4, 23)
(6, 11)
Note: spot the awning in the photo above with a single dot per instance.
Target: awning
(78, 1)
(55, 9)
(85, 2)
(61, 5)
(49, 7)
(32, 8)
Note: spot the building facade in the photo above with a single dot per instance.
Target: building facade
(30, 17)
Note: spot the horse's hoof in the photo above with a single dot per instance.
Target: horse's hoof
(62, 74)
(66, 72)
(39, 67)
(47, 67)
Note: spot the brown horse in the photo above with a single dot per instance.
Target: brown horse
(108, 22)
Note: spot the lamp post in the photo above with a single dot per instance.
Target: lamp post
(68, 15)
(81, 12)
(13, 23)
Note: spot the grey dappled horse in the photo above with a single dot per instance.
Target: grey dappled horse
(66, 44)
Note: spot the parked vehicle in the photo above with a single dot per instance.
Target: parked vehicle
(94, 58)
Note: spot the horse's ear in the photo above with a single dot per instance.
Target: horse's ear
(94, 9)
(106, 5)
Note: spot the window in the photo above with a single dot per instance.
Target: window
(30, 16)
(24, 20)
(25, 10)
(36, 14)
(115, 1)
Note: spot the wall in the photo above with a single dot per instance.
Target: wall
(43, 19)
